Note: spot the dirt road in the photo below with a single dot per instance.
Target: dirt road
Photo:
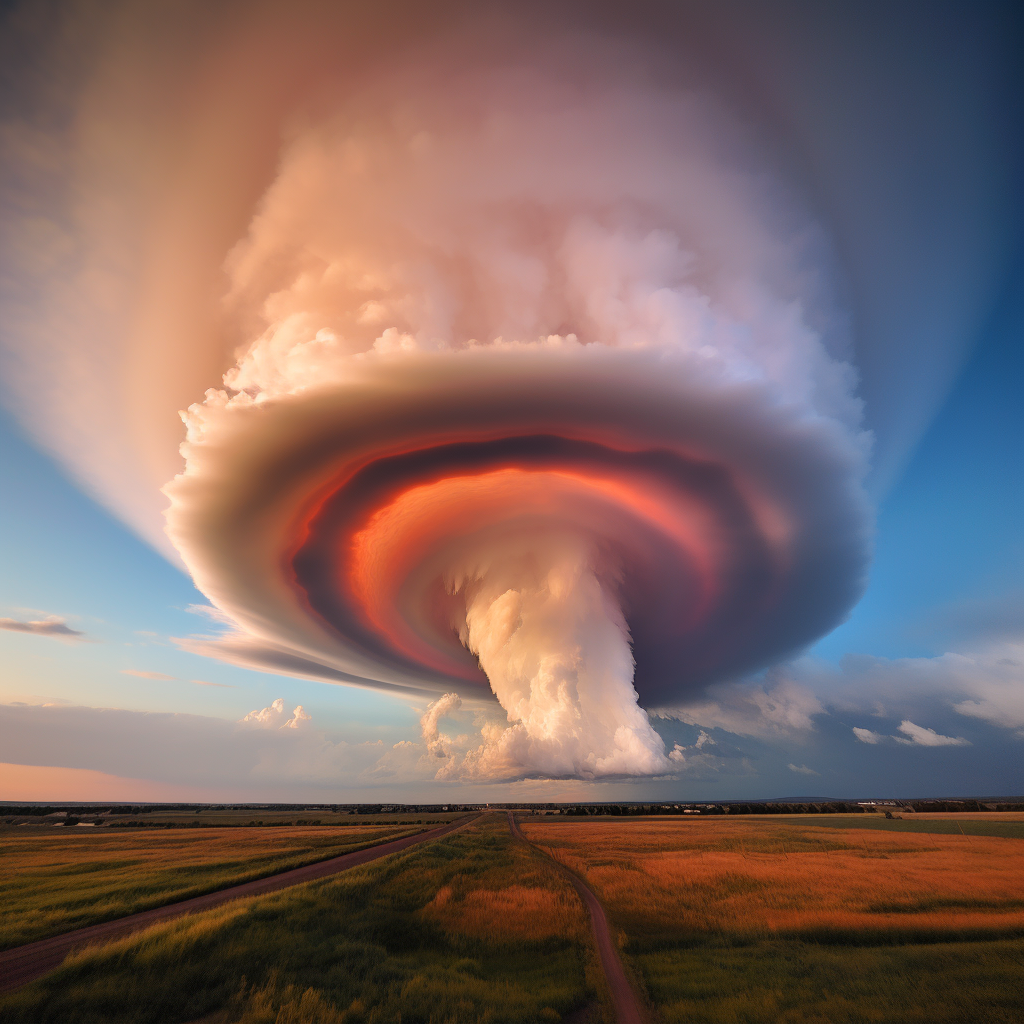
(23, 964)
(627, 1007)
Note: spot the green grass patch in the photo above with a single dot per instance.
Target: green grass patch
(358, 947)
(798, 983)
(934, 826)
(55, 883)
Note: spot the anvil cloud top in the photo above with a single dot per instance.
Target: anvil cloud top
(538, 391)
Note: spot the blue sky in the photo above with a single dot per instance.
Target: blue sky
(65, 555)
(949, 535)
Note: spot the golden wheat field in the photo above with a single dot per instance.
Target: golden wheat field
(789, 877)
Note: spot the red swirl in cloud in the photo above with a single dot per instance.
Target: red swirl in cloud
(378, 548)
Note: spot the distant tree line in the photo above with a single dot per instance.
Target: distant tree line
(79, 809)
(830, 807)
(962, 805)
(827, 807)
(834, 807)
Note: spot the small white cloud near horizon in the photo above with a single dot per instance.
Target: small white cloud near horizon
(924, 737)
(298, 717)
(270, 717)
(52, 626)
(802, 769)
(142, 674)
(867, 736)
(266, 716)
(913, 736)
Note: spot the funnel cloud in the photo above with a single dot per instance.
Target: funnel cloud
(537, 401)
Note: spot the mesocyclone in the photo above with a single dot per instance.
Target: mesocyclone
(644, 479)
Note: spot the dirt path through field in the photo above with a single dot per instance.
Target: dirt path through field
(23, 964)
(627, 1007)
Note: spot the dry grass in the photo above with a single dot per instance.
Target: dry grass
(515, 913)
(672, 880)
(65, 879)
(523, 900)
(808, 921)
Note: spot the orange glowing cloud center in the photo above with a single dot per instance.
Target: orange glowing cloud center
(395, 566)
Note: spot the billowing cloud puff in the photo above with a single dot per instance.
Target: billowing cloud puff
(273, 717)
(535, 401)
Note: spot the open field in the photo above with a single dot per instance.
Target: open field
(68, 878)
(796, 919)
(471, 927)
(722, 919)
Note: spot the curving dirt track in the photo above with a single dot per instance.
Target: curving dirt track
(23, 964)
(627, 1008)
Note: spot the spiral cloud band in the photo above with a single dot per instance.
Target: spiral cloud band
(542, 402)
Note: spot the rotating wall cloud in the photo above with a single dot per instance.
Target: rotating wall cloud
(532, 405)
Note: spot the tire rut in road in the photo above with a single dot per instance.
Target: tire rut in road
(624, 1000)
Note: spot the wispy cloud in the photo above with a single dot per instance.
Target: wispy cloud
(867, 736)
(203, 682)
(924, 737)
(51, 626)
(985, 683)
(802, 769)
(141, 674)
(913, 736)
(780, 707)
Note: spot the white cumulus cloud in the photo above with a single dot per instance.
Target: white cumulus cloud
(273, 717)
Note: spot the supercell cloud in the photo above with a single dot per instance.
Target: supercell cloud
(536, 396)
